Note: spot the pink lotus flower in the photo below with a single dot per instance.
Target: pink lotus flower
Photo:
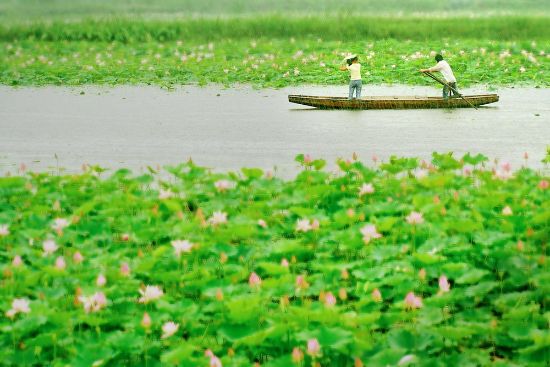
(303, 225)
(307, 159)
(414, 218)
(60, 223)
(219, 295)
(222, 185)
(125, 237)
(151, 293)
(254, 280)
(262, 223)
(444, 284)
(217, 218)
(60, 263)
(125, 270)
(543, 185)
(330, 300)
(315, 225)
(313, 347)
(19, 306)
(369, 231)
(165, 194)
(505, 166)
(101, 280)
(22, 167)
(342, 294)
(507, 211)
(146, 320)
(78, 258)
(284, 263)
(17, 261)
(344, 274)
(95, 302)
(49, 247)
(413, 302)
(301, 283)
(297, 355)
(374, 157)
(422, 274)
(182, 246)
(366, 189)
(169, 329)
(215, 362)
(376, 295)
(4, 230)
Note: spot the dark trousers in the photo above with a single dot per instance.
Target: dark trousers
(447, 90)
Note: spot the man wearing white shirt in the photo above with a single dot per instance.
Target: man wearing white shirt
(355, 83)
(445, 69)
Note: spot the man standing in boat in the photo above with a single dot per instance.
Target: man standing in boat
(445, 69)
(355, 84)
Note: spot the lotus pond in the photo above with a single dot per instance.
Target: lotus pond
(399, 263)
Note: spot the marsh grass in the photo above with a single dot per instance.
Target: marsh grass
(128, 30)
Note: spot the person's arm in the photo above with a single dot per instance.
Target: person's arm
(343, 67)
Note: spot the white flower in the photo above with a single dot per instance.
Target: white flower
(262, 223)
(507, 211)
(218, 217)
(151, 293)
(369, 231)
(303, 225)
(165, 194)
(169, 329)
(4, 230)
(182, 246)
(49, 247)
(95, 302)
(366, 189)
(60, 223)
(421, 173)
(19, 305)
(414, 218)
(222, 185)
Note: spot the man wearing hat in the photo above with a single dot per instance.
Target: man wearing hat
(355, 84)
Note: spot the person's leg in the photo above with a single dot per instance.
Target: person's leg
(454, 86)
(446, 91)
(358, 90)
(351, 87)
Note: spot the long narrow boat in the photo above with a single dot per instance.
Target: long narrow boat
(391, 102)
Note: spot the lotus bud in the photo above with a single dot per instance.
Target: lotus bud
(284, 263)
(422, 274)
(437, 201)
(17, 262)
(223, 257)
(78, 258)
(125, 270)
(322, 296)
(351, 212)
(342, 294)
(297, 355)
(101, 280)
(354, 156)
(140, 254)
(330, 300)
(60, 263)
(376, 295)
(374, 158)
(315, 225)
(219, 295)
(230, 352)
(125, 237)
(345, 274)
(293, 259)
(146, 320)
(520, 246)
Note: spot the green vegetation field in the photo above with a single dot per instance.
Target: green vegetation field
(401, 263)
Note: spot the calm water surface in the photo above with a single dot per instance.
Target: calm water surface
(227, 129)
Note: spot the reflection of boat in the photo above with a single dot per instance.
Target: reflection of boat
(391, 102)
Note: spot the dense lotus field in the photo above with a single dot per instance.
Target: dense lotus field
(403, 262)
(269, 62)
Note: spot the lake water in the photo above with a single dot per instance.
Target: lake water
(227, 129)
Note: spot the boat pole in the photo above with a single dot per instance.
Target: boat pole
(448, 86)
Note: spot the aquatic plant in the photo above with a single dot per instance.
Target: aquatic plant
(283, 274)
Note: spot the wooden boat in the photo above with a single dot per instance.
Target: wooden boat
(392, 102)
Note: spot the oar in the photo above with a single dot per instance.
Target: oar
(448, 86)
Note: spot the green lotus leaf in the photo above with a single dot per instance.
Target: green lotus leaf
(472, 276)
(336, 338)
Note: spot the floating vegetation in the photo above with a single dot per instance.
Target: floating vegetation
(431, 263)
